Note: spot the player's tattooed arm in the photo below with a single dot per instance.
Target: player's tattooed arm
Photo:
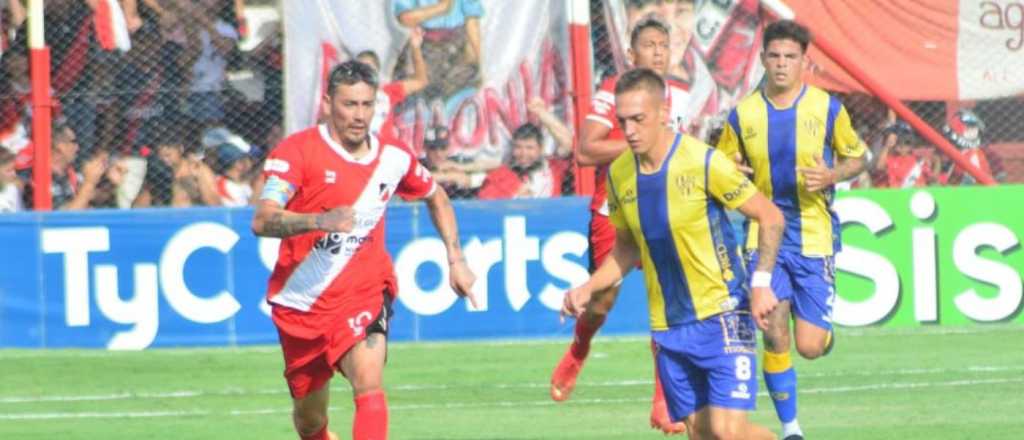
(770, 226)
(769, 235)
(850, 167)
(460, 277)
(271, 220)
(820, 177)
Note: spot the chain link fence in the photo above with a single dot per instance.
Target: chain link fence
(987, 133)
(715, 47)
(185, 116)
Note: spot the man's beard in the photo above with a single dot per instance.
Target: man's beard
(526, 169)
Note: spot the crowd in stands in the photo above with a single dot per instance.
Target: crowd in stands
(161, 125)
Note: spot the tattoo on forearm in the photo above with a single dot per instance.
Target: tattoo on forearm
(280, 226)
(768, 240)
(443, 217)
(849, 168)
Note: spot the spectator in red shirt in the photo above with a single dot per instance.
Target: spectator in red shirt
(527, 173)
(903, 167)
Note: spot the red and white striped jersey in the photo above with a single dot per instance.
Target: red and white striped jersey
(602, 110)
(318, 275)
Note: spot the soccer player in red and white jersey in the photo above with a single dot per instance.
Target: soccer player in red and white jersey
(393, 93)
(331, 290)
(602, 142)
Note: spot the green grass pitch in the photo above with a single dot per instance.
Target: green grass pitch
(909, 383)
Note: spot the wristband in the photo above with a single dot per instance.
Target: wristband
(761, 279)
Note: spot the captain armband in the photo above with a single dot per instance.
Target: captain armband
(277, 190)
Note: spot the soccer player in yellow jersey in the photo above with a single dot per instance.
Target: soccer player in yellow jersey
(799, 142)
(667, 196)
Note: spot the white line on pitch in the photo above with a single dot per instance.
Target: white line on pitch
(556, 340)
(440, 387)
(457, 405)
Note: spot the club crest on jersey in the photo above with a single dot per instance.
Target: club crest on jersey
(330, 176)
(686, 184)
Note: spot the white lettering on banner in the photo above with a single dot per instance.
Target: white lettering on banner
(1006, 302)
(142, 311)
(422, 302)
(172, 272)
(75, 244)
(866, 264)
(482, 256)
(552, 258)
(926, 293)
(519, 249)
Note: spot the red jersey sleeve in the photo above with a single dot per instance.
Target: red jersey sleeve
(283, 171)
(602, 106)
(285, 162)
(417, 182)
(395, 92)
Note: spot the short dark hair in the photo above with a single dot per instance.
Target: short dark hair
(350, 72)
(59, 129)
(167, 134)
(6, 156)
(371, 55)
(645, 24)
(642, 78)
(787, 30)
(528, 131)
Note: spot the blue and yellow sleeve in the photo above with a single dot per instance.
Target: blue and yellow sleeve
(615, 213)
(726, 183)
(729, 142)
(845, 141)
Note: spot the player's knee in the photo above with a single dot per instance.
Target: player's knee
(366, 382)
(810, 349)
(308, 422)
(725, 430)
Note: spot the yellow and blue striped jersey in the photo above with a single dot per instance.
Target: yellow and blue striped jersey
(776, 142)
(677, 217)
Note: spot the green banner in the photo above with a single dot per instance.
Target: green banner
(946, 256)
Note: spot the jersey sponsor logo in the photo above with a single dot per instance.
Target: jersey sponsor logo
(732, 195)
(336, 243)
(330, 176)
(276, 165)
(723, 260)
(741, 392)
(749, 132)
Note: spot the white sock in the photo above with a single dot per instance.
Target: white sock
(791, 428)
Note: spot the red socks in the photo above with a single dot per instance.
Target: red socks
(371, 418)
(584, 332)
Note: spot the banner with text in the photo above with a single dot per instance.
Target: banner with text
(152, 278)
(485, 60)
